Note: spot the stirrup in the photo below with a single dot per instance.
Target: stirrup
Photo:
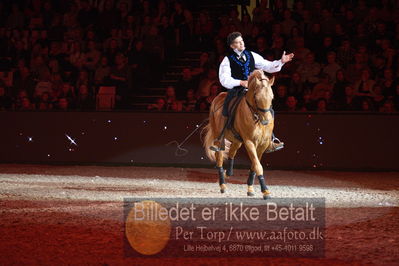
(222, 144)
(216, 149)
(275, 138)
(274, 145)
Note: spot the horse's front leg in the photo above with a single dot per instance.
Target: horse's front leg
(266, 192)
(257, 168)
(230, 160)
(221, 171)
(251, 178)
(250, 183)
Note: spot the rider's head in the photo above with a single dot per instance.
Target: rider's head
(235, 41)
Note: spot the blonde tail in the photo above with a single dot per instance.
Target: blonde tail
(208, 142)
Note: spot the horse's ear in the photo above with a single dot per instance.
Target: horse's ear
(271, 81)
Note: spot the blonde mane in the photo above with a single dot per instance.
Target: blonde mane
(258, 81)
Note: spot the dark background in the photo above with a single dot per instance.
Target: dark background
(349, 141)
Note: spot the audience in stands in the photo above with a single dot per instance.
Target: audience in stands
(55, 55)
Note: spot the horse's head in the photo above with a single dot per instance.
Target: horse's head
(260, 93)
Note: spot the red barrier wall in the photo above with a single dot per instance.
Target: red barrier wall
(313, 141)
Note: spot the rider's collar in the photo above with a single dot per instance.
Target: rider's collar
(238, 52)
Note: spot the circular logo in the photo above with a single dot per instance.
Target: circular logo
(146, 230)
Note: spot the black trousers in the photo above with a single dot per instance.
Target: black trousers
(231, 93)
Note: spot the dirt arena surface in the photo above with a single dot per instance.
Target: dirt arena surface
(63, 215)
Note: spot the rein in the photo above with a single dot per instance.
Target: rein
(263, 110)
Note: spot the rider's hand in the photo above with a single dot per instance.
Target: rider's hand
(244, 83)
(286, 57)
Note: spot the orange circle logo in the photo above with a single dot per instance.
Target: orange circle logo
(147, 232)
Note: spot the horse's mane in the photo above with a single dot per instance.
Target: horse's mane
(254, 80)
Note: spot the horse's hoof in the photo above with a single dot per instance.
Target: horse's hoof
(250, 191)
(266, 194)
(223, 188)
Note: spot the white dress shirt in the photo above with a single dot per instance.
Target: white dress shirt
(229, 82)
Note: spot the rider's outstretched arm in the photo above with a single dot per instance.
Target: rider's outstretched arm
(266, 65)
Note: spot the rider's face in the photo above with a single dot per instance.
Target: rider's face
(238, 44)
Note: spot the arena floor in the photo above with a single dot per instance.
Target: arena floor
(74, 214)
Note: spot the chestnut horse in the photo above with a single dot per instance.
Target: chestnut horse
(253, 122)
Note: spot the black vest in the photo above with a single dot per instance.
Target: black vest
(241, 70)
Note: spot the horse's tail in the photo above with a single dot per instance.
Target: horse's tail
(208, 142)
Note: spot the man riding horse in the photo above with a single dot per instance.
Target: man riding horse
(233, 75)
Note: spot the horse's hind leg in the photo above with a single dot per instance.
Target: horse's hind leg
(221, 172)
(230, 160)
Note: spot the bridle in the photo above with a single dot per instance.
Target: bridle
(255, 112)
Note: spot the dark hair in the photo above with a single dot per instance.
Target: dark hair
(232, 36)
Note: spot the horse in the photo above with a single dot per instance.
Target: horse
(254, 122)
